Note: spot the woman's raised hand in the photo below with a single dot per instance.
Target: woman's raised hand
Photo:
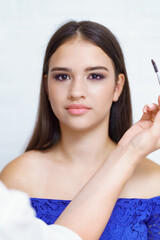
(144, 136)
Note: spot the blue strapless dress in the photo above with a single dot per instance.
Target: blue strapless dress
(137, 219)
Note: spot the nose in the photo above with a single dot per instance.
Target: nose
(77, 89)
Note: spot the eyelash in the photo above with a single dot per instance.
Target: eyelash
(93, 76)
(59, 77)
(96, 76)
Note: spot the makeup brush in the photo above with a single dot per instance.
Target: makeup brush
(156, 70)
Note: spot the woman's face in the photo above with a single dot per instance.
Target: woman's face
(81, 85)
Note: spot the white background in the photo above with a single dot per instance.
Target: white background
(25, 28)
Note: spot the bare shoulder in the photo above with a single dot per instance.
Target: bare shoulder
(150, 177)
(145, 181)
(20, 172)
(151, 168)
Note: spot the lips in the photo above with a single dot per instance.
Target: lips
(77, 109)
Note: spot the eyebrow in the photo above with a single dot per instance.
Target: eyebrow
(60, 69)
(54, 69)
(96, 68)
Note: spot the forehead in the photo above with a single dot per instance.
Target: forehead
(81, 52)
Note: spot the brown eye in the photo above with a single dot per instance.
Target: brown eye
(96, 76)
(61, 77)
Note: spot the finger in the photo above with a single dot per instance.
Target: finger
(151, 108)
(146, 116)
(159, 101)
(156, 124)
(149, 112)
(152, 117)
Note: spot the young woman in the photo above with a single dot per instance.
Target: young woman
(84, 111)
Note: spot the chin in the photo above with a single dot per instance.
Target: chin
(80, 128)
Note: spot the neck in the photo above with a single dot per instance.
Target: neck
(92, 146)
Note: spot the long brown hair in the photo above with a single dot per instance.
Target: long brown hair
(47, 130)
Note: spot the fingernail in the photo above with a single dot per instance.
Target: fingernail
(150, 105)
(145, 110)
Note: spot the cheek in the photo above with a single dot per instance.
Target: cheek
(105, 100)
(54, 92)
(106, 94)
(55, 98)
(105, 103)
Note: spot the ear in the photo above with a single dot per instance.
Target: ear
(45, 79)
(118, 87)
